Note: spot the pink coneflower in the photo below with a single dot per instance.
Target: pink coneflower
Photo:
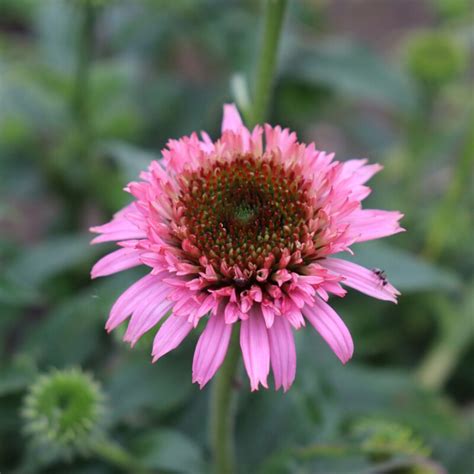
(241, 231)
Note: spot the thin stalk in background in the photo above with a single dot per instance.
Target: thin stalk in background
(115, 455)
(80, 94)
(440, 227)
(69, 175)
(266, 62)
(456, 333)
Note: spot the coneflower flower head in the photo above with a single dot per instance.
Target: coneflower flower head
(64, 413)
(240, 231)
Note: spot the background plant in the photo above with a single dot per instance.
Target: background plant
(90, 91)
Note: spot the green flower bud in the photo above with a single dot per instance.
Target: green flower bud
(434, 59)
(63, 413)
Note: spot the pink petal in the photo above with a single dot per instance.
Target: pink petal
(268, 314)
(129, 299)
(331, 327)
(170, 335)
(282, 353)
(255, 348)
(278, 138)
(116, 235)
(370, 224)
(231, 120)
(148, 312)
(119, 228)
(208, 303)
(143, 324)
(211, 349)
(116, 261)
(231, 313)
(358, 171)
(361, 279)
(292, 313)
(295, 318)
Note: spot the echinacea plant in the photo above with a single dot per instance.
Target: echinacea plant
(245, 233)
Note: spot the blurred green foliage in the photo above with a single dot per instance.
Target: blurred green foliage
(90, 91)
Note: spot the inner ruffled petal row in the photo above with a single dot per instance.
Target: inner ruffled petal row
(244, 215)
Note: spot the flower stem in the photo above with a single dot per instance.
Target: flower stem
(117, 456)
(455, 336)
(265, 71)
(223, 396)
(80, 97)
(223, 402)
(444, 216)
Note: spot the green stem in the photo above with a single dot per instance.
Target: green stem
(273, 21)
(456, 334)
(117, 456)
(443, 216)
(80, 97)
(68, 175)
(222, 410)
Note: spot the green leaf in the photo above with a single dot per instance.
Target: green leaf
(49, 258)
(277, 412)
(16, 294)
(351, 70)
(17, 375)
(56, 28)
(70, 333)
(170, 450)
(150, 388)
(346, 392)
(406, 271)
(29, 102)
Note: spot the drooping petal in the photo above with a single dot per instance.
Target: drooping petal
(231, 313)
(211, 349)
(232, 120)
(268, 314)
(125, 233)
(358, 171)
(145, 321)
(116, 261)
(361, 279)
(129, 299)
(255, 348)
(331, 327)
(292, 313)
(282, 353)
(170, 335)
(148, 312)
(370, 224)
(119, 228)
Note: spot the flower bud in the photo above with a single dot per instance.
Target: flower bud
(434, 59)
(63, 413)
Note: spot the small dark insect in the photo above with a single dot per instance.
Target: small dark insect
(381, 274)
